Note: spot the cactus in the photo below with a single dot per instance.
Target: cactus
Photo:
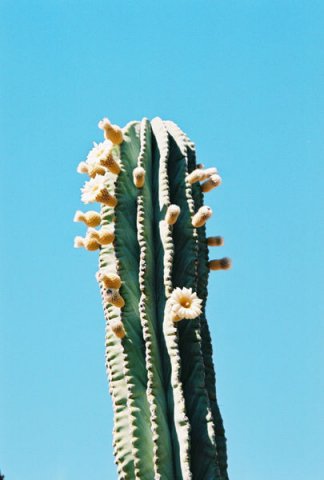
(153, 273)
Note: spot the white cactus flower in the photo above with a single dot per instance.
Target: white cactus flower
(184, 304)
(93, 187)
(100, 151)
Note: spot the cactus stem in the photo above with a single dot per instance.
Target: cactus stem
(201, 217)
(139, 177)
(221, 264)
(213, 182)
(172, 214)
(215, 241)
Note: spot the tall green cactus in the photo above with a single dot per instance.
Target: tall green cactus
(153, 273)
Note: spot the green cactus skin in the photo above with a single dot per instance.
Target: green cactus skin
(167, 423)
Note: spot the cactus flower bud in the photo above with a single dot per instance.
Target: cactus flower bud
(139, 177)
(110, 280)
(172, 214)
(201, 217)
(91, 244)
(106, 236)
(118, 328)
(213, 182)
(111, 132)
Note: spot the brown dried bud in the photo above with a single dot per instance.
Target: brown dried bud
(215, 241)
(221, 264)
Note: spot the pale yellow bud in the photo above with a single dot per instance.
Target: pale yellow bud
(82, 167)
(199, 174)
(103, 196)
(111, 132)
(221, 264)
(96, 169)
(114, 297)
(201, 217)
(195, 176)
(213, 182)
(215, 241)
(111, 164)
(172, 214)
(139, 177)
(118, 328)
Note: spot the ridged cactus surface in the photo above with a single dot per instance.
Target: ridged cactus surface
(153, 273)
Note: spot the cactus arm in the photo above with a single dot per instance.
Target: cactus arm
(207, 349)
(203, 444)
(127, 254)
(163, 461)
(181, 440)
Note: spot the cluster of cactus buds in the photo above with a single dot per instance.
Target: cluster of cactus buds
(153, 274)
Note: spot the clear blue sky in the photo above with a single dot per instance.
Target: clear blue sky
(245, 80)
